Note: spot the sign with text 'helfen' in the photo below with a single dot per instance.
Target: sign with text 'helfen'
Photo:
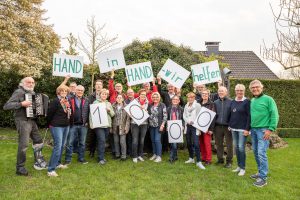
(111, 60)
(174, 73)
(139, 73)
(64, 65)
(208, 72)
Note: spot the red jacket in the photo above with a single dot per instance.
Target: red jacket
(112, 92)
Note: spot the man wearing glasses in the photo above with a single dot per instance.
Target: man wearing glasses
(264, 120)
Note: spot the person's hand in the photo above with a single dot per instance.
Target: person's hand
(112, 75)
(191, 123)
(107, 109)
(153, 82)
(67, 77)
(246, 133)
(142, 107)
(158, 80)
(161, 128)
(229, 128)
(210, 132)
(220, 83)
(267, 134)
(26, 104)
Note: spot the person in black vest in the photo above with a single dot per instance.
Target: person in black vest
(79, 122)
(222, 106)
(91, 137)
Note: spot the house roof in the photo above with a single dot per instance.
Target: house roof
(245, 64)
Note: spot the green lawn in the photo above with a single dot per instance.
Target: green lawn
(148, 180)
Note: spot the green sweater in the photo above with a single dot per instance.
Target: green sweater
(264, 112)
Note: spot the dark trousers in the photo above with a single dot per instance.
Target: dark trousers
(138, 137)
(102, 134)
(26, 129)
(129, 143)
(91, 141)
(222, 131)
(192, 141)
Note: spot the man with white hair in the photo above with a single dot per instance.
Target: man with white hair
(222, 106)
(79, 122)
(26, 127)
(264, 120)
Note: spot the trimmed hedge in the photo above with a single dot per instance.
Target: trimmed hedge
(288, 132)
(286, 94)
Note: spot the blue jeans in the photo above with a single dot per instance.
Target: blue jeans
(156, 140)
(59, 135)
(239, 141)
(102, 134)
(77, 133)
(193, 142)
(260, 146)
(173, 151)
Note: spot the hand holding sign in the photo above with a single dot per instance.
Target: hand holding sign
(136, 112)
(204, 119)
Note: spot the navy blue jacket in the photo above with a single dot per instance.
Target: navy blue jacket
(223, 111)
(240, 115)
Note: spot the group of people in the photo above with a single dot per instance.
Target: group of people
(68, 120)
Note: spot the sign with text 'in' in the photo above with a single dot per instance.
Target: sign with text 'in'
(208, 72)
(111, 60)
(174, 73)
(64, 65)
(139, 73)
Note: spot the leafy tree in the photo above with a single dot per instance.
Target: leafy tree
(26, 43)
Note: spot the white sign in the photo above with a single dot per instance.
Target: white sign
(204, 119)
(208, 72)
(64, 65)
(135, 111)
(111, 60)
(173, 73)
(175, 131)
(139, 73)
(98, 115)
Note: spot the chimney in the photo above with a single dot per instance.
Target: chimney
(212, 48)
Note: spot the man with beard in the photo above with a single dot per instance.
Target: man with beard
(26, 127)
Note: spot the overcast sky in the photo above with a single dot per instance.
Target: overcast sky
(237, 24)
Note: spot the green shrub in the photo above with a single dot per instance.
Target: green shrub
(288, 132)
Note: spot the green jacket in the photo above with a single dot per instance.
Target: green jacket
(264, 112)
(110, 114)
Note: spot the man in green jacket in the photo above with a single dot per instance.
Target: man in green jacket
(264, 120)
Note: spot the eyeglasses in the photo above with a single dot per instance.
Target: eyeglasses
(239, 90)
(204, 94)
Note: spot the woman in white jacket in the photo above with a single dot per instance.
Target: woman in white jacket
(191, 111)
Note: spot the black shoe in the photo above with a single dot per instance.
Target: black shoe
(116, 157)
(171, 161)
(92, 155)
(22, 172)
(260, 182)
(67, 162)
(123, 159)
(207, 163)
(220, 162)
(228, 165)
(254, 176)
(83, 162)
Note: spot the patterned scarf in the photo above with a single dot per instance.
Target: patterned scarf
(66, 106)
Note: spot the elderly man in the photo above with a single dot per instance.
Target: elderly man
(264, 120)
(78, 121)
(26, 127)
(222, 106)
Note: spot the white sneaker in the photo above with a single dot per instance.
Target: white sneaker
(237, 169)
(158, 159)
(190, 160)
(199, 164)
(242, 172)
(52, 174)
(141, 159)
(135, 160)
(153, 157)
(61, 166)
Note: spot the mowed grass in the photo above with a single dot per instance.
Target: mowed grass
(147, 180)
